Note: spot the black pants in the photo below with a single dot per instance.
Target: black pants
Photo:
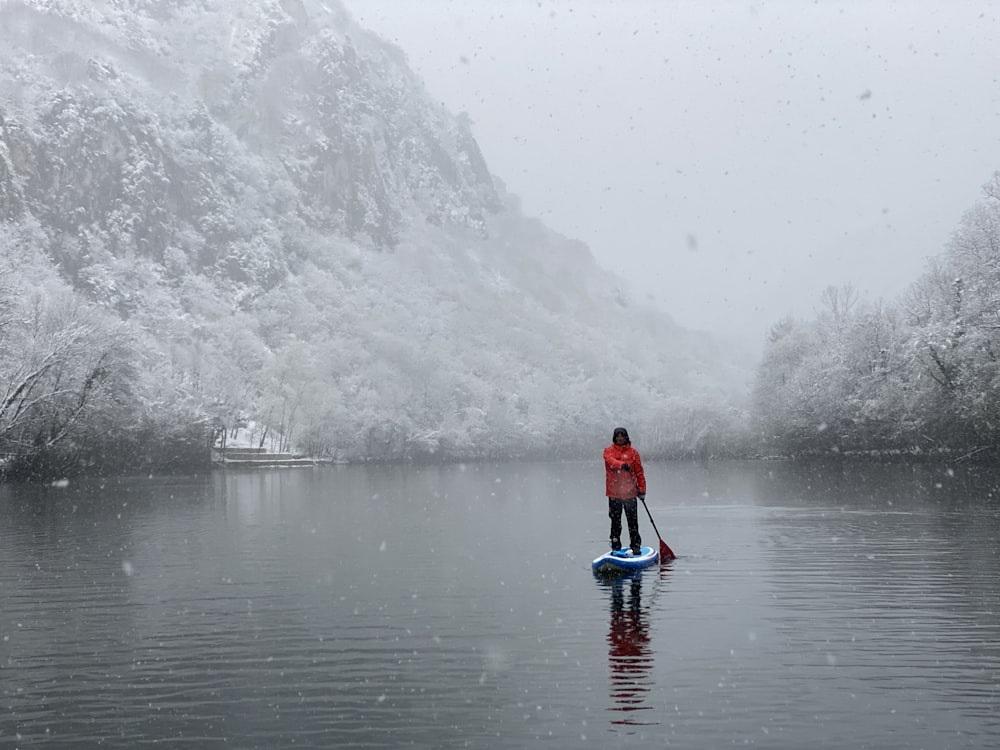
(631, 508)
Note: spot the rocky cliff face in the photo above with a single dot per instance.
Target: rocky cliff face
(127, 118)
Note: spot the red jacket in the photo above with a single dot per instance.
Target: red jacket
(623, 485)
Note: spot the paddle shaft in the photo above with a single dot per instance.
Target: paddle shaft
(665, 552)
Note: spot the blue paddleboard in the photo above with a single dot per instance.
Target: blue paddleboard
(622, 560)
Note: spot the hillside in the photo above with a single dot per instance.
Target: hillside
(217, 212)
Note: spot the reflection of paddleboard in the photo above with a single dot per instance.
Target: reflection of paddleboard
(622, 560)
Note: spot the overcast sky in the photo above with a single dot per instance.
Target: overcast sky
(730, 159)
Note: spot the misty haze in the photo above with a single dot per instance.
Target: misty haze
(315, 318)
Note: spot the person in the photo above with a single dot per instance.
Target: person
(625, 481)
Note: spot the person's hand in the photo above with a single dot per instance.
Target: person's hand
(642, 496)
(626, 467)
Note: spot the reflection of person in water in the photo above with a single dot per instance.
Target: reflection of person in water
(629, 652)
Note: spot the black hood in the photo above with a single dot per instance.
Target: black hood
(621, 431)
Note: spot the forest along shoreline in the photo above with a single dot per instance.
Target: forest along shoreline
(243, 449)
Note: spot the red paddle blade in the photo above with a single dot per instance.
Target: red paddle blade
(665, 552)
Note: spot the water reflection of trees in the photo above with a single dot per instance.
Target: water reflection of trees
(630, 655)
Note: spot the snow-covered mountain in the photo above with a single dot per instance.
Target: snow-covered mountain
(294, 232)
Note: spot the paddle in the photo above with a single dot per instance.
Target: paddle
(666, 553)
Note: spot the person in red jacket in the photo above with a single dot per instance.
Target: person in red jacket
(625, 481)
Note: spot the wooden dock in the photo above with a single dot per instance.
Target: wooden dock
(243, 458)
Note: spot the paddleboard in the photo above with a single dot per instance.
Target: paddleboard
(622, 560)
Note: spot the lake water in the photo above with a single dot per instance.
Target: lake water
(454, 607)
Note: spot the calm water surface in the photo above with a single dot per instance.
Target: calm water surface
(429, 607)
